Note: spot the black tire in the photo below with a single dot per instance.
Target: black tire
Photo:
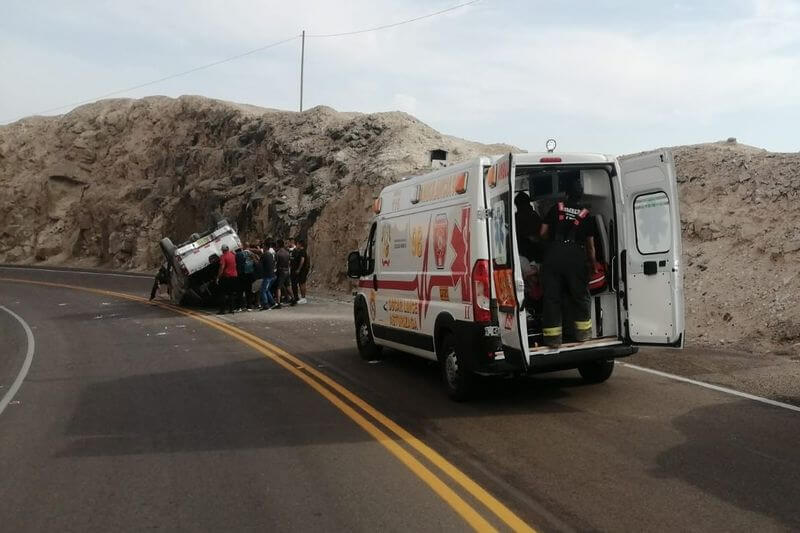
(597, 371)
(459, 382)
(367, 349)
(168, 248)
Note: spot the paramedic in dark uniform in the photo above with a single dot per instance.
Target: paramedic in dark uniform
(529, 244)
(564, 272)
(528, 225)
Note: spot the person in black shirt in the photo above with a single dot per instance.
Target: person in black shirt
(300, 268)
(528, 224)
(283, 266)
(162, 278)
(564, 271)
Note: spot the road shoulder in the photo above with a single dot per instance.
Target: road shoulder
(776, 377)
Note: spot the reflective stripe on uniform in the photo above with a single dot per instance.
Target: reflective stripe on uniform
(553, 332)
(582, 324)
(582, 215)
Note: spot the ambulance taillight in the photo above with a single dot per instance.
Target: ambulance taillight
(481, 298)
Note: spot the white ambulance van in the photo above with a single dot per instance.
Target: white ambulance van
(440, 275)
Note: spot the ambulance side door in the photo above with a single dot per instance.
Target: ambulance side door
(652, 249)
(506, 279)
(368, 282)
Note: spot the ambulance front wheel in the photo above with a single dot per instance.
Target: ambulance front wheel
(460, 382)
(367, 348)
(597, 371)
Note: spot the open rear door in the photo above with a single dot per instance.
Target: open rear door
(652, 244)
(507, 284)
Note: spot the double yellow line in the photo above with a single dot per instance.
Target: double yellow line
(337, 394)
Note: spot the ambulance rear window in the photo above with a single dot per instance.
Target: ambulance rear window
(652, 222)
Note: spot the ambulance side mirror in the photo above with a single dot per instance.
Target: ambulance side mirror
(354, 265)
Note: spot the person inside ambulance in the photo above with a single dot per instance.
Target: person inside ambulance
(528, 225)
(564, 273)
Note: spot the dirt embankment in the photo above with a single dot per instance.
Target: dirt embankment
(102, 184)
(741, 234)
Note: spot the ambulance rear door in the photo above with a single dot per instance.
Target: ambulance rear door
(506, 276)
(651, 256)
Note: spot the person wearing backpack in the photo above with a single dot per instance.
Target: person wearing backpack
(258, 275)
(268, 278)
(244, 271)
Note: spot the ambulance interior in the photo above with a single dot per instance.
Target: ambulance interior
(546, 186)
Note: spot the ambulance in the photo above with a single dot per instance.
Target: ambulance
(440, 275)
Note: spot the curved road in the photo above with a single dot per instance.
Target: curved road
(135, 416)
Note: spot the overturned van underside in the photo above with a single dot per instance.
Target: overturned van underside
(194, 264)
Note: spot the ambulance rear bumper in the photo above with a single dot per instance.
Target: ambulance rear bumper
(511, 361)
(575, 358)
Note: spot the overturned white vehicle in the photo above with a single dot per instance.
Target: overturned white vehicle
(193, 265)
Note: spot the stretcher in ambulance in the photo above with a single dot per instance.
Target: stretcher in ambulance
(441, 275)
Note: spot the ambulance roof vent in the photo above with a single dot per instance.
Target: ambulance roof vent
(438, 158)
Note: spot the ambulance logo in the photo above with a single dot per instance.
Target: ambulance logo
(416, 241)
(386, 244)
(440, 240)
(372, 309)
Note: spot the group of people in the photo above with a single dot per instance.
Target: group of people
(263, 275)
(563, 244)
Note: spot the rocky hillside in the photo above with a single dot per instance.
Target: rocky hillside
(102, 184)
(741, 237)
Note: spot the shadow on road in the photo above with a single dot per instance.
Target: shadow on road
(247, 404)
(752, 466)
(418, 383)
(255, 404)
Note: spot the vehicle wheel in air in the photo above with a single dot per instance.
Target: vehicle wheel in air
(459, 381)
(367, 348)
(218, 219)
(168, 248)
(597, 371)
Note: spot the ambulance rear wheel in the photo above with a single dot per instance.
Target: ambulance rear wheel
(458, 380)
(596, 371)
(367, 349)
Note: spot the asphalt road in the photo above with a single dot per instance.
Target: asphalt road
(134, 417)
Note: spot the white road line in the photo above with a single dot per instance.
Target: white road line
(714, 387)
(25, 366)
(83, 272)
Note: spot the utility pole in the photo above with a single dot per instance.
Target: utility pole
(302, 64)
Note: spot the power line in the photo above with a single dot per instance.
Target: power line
(250, 52)
(394, 24)
(171, 76)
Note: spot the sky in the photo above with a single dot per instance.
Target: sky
(598, 76)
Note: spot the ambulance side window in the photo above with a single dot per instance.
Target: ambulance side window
(652, 223)
(369, 251)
